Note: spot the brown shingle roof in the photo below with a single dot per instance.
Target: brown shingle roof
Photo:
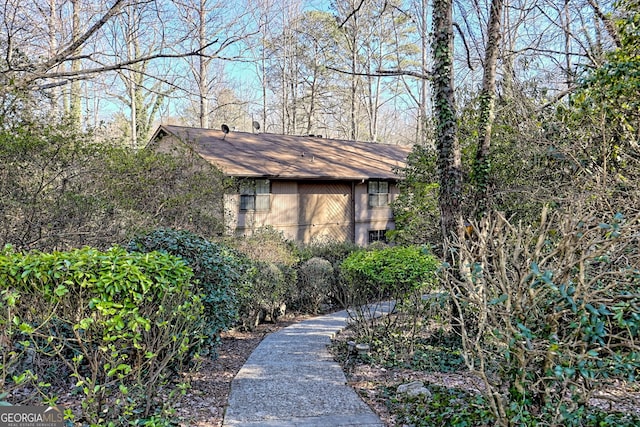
(244, 154)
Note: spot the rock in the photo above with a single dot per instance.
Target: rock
(415, 388)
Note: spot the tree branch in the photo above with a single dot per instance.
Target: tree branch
(611, 28)
(80, 74)
(353, 12)
(466, 47)
(73, 47)
(384, 73)
(558, 97)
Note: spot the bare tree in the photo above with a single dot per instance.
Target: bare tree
(143, 87)
(218, 31)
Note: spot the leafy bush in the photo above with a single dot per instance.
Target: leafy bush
(269, 290)
(120, 325)
(315, 277)
(60, 190)
(391, 272)
(219, 271)
(269, 245)
(335, 252)
(415, 210)
(269, 284)
(401, 274)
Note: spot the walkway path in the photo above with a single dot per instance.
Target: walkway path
(291, 380)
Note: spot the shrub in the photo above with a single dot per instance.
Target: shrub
(97, 194)
(119, 325)
(391, 272)
(269, 245)
(335, 253)
(550, 313)
(315, 277)
(269, 283)
(219, 271)
(400, 274)
(267, 294)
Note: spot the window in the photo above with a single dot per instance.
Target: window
(254, 195)
(377, 236)
(378, 193)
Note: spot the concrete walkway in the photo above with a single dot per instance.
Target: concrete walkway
(291, 380)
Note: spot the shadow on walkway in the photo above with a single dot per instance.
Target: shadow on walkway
(290, 379)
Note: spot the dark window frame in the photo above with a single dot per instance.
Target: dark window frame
(255, 195)
(377, 236)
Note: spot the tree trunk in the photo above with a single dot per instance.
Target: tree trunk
(482, 164)
(203, 62)
(75, 100)
(354, 87)
(449, 158)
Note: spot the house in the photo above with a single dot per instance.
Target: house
(308, 187)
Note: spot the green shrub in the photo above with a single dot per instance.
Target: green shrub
(119, 325)
(315, 277)
(269, 290)
(334, 252)
(268, 245)
(97, 194)
(219, 272)
(269, 282)
(391, 272)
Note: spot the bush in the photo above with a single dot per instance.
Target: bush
(400, 274)
(220, 273)
(119, 325)
(269, 290)
(269, 284)
(269, 245)
(550, 313)
(315, 277)
(391, 272)
(335, 253)
(60, 190)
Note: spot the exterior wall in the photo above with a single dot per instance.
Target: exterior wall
(309, 211)
(325, 212)
(303, 210)
(370, 219)
(282, 214)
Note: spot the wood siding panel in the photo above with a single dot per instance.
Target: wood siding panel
(325, 212)
(282, 214)
(366, 218)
